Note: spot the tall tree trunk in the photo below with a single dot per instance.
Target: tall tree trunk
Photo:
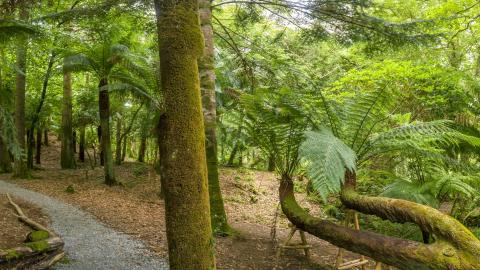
(5, 161)
(182, 138)
(67, 160)
(81, 146)
(30, 147)
(271, 163)
(124, 148)
(233, 154)
(36, 118)
(99, 134)
(455, 246)
(118, 139)
(106, 146)
(38, 150)
(206, 66)
(20, 167)
(74, 142)
(143, 148)
(45, 136)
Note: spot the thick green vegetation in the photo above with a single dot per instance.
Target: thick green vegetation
(373, 103)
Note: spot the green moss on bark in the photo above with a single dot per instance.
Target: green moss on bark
(38, 236)
(38, 246)
(182, 138)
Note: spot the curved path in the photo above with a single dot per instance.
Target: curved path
(89, 244)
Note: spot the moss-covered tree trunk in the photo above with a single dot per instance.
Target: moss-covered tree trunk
(67, 160)
(206, 66)
(455, 248)
(105, 143)
(81, 145)
(118, 142)
(182, 138)
(20, 166)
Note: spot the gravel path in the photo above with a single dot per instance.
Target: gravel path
(89, 244)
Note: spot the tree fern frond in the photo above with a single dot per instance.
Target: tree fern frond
(327, 158)
(410, 191)
(78, 62)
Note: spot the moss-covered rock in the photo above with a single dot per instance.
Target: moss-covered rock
(37, 236)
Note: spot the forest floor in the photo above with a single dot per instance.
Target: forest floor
(136, 209)
(13, 232)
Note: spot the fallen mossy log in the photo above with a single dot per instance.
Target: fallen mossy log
(455, 248)
(42, 249)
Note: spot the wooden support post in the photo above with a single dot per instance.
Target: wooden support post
(287, 245)
(350, 218)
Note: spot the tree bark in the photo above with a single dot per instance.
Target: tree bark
(36, 117)
(5, 161)
(206, 66)
(182, 138)
(20, 167)
(104, 108)
(455, 247)
(45, 136)
(124, 148)
(67, 160)
(74, 142)
(38, 150)
(142, 149)
(118, 144)
(81, 146)
(99, 135)
(233, 154)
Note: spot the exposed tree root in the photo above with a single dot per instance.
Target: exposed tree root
(37, 255)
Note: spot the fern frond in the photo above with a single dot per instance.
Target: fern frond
(327, 158)
(410, 191)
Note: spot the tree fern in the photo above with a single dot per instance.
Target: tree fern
(327, 159)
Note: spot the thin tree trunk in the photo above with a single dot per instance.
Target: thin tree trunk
(38, 151)
(45, 136)
(124, 148)
(271, 163)
(118, 139)
(20, 167)
(104, 108)
(181, 138)
(206, 66)
(67, 159)
(36, 119)
(232, 155)
(81, 147)
(142, 149)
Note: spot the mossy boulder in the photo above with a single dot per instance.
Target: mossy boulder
(37, 236)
